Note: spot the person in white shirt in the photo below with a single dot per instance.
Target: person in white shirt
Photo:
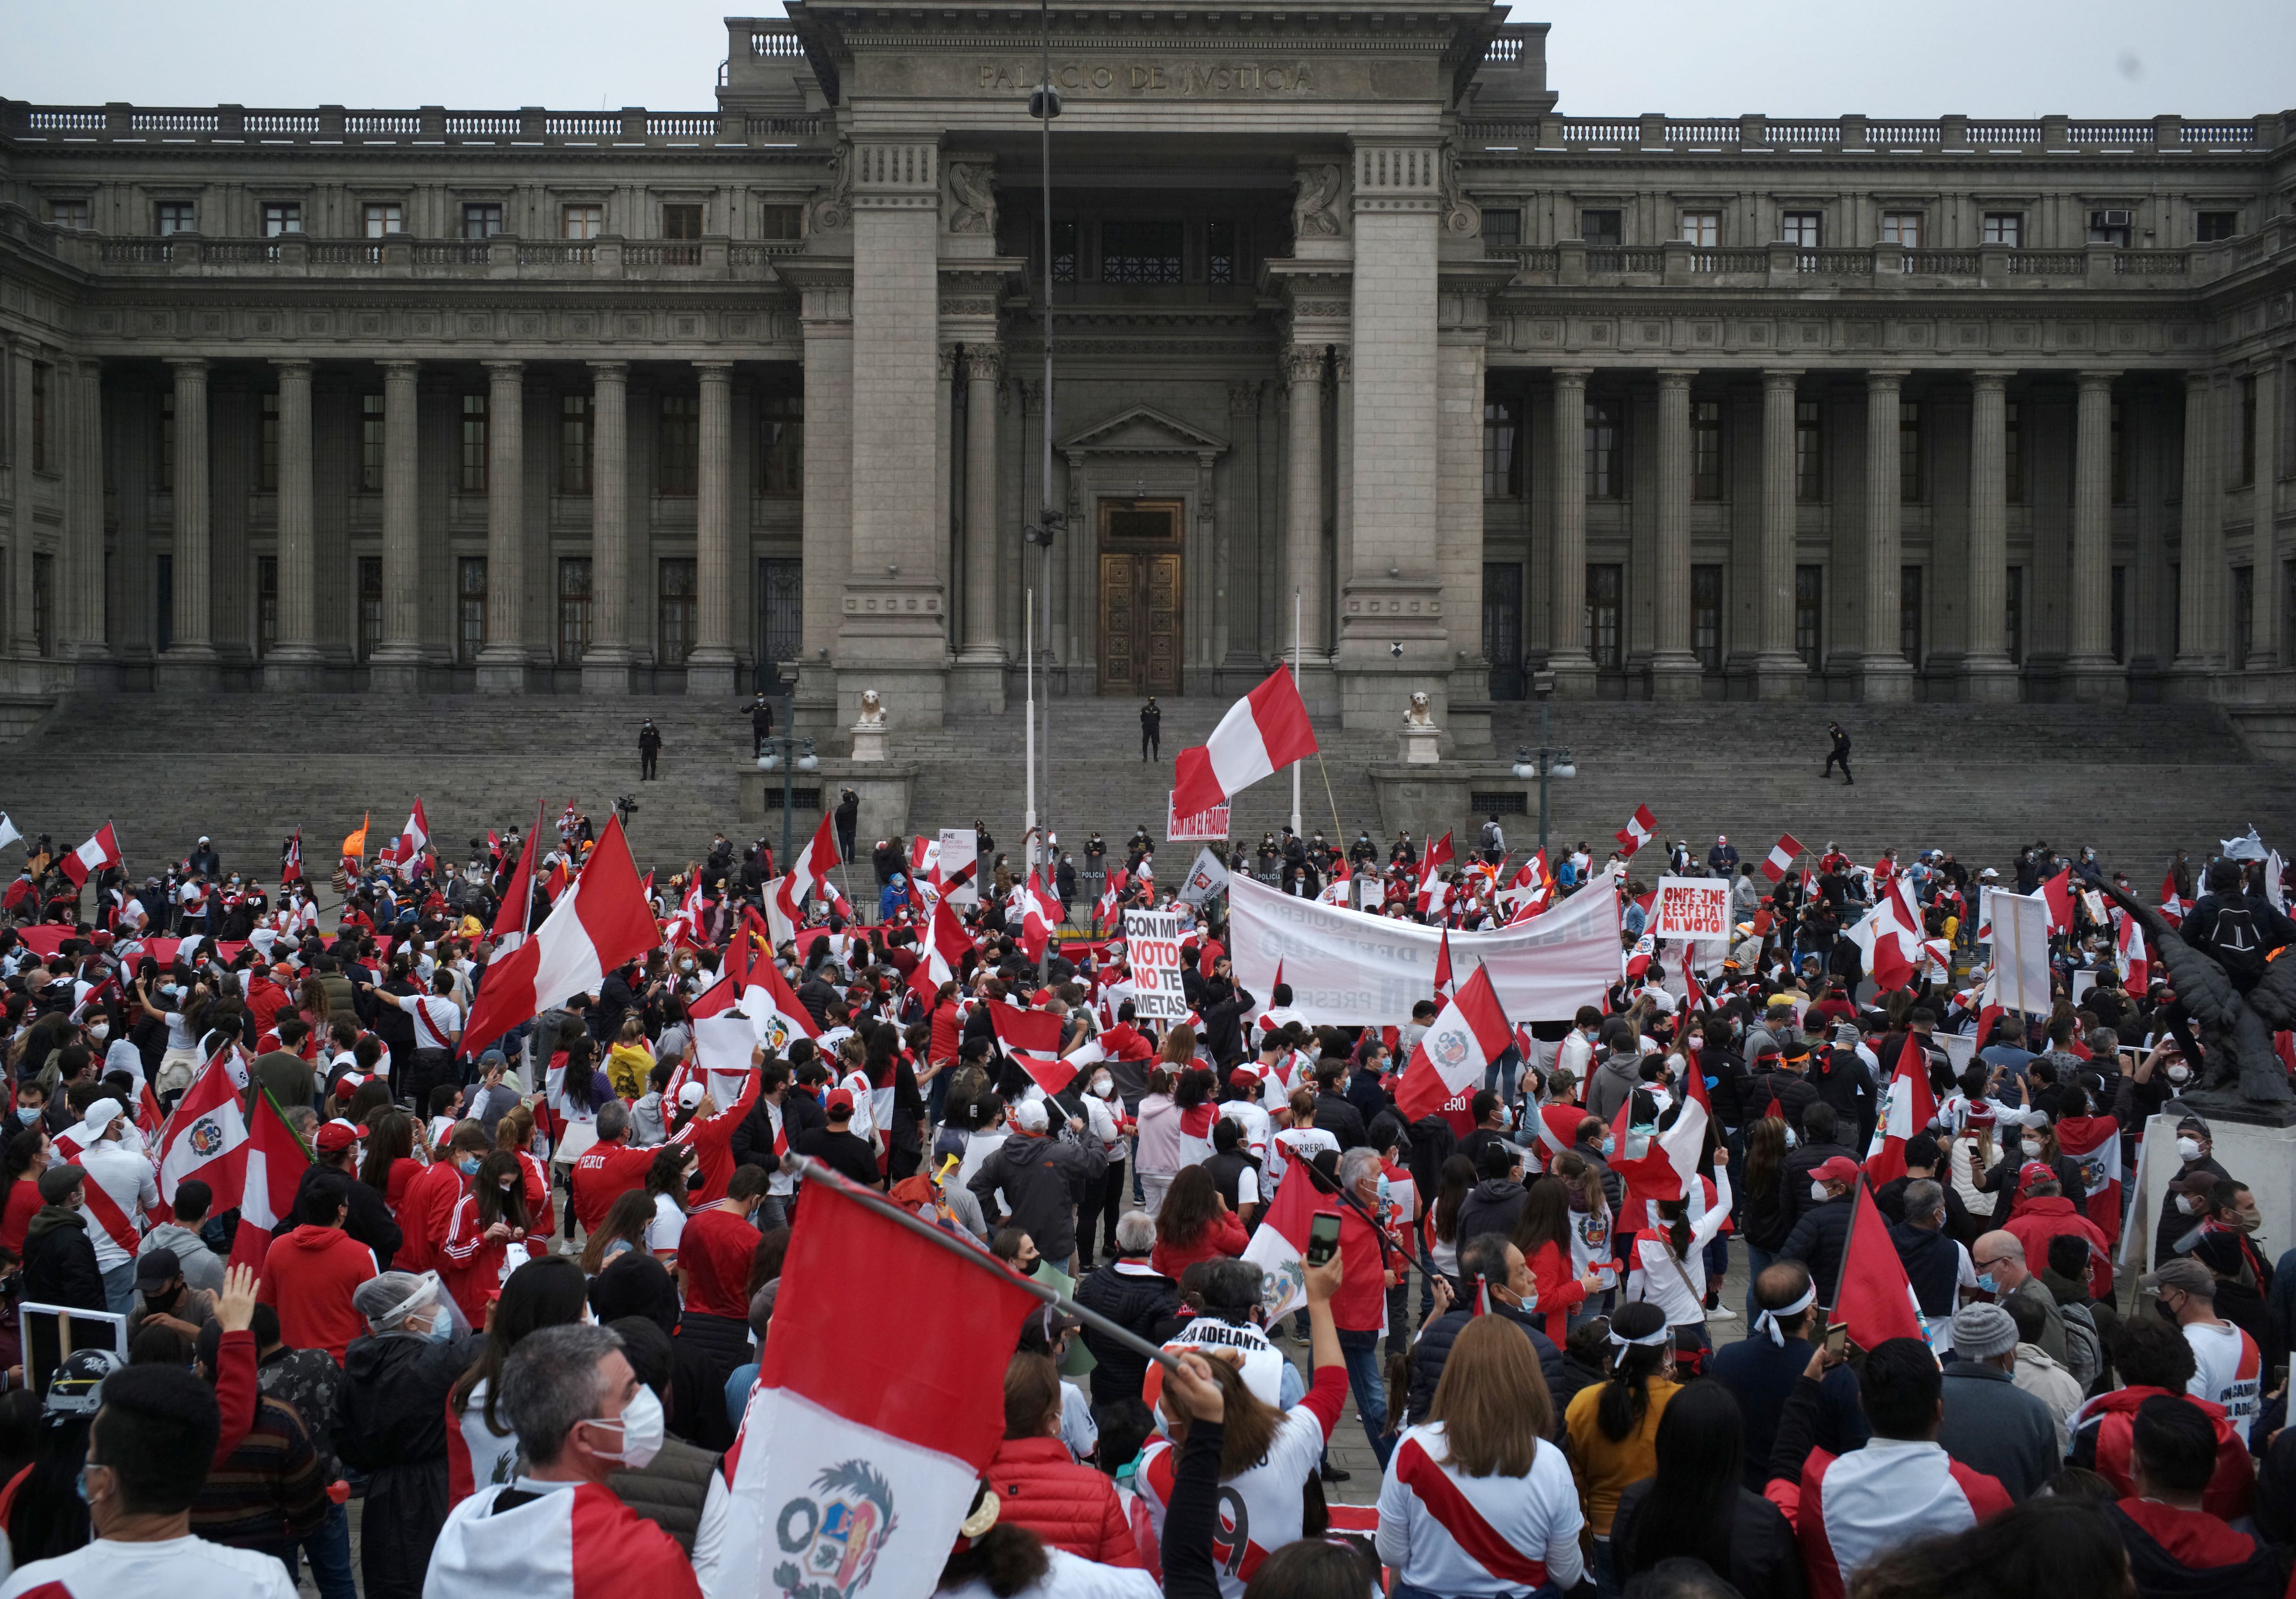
(121, 1189)
(156, 1428)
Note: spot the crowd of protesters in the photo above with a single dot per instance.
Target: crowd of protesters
(549, 1260)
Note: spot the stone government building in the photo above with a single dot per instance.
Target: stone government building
(533, 401)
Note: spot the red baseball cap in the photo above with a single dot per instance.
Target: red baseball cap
(1840, 1169)
(335, 1137)
(838, 1097)
(2035, 1171)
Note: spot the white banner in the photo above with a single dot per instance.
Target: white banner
(960, 849)
(2021, 953)
(1351, 968)
(1691, 907)
(1206, 827)
(1151, 944)
(1206, 878)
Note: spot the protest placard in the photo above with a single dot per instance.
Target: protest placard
(1151, 944)
(1691, 907)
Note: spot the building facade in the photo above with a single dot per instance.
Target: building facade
(1360, 352)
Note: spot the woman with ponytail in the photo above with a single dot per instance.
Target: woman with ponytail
(1613, 1428)
(1667, 1262)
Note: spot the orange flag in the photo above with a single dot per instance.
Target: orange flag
(356, 844)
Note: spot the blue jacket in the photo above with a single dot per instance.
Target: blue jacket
(1433, 1348)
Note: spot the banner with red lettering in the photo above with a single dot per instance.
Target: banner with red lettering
(1152, 947)
(1691, 907)
(1203, 827)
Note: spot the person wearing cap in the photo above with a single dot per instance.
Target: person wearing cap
(2043, 1212)
(371, 1223)
(836, 1145)
(1823, 1139)
(1989, 1423)
(2195, 1154)
(390, 1423)
(1819, 1237)
(2002, 1270)
(121, 1187)
(163, 1296)
(709, 1128)
(490, 1099)
(2227, 1367)
(311, 1274)
(1035, 1179)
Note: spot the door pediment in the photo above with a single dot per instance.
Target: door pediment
(1141, 431)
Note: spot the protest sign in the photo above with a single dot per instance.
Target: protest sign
(960, 874)
(1205, 826)
(1691, 907)
(1151, 945)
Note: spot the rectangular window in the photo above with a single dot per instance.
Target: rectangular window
(1219, 249)
(1703, 228)
(1909, 451)
(1706, 615)
(2109, 227)
(1804, 230)
(1605, 591)
(1809, 612)
(176, 216)
(166, 441)
(574, 444)
(2208, 226)
(39, 416)
(473, 461)
(369, 606)
(2013, 452)
(2004, 227)
(1909, 613)
(1140, 252)
(2247, 432)
(1606, 457)
(781, 444)
(1502, 449)
(678, 455)
(681, 222)
(573, 609)
(266, 604)
(1706, 449)
(1603, 229)
(581, 221)
(1902, 228)
(470, 608)
(43, 603)
(369, 444)
(382, 217)
(1503, 627)
(780, 222)
(1501, 227)
(2120, 615)
(266, 478)
(77, 214)
(483, 220)
(780, 618)
(1810, 451)
(282, 216)
(2013, 620)
(1065, 250)
(2244, 616)
(676, 600)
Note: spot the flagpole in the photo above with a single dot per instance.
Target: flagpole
(1295, 683)
(1028, 805)
(813, 1171)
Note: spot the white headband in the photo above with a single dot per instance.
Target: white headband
(1767, 1322)
(1648, 1339)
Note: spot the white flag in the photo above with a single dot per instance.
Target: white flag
(9, 832)
(1206, 878)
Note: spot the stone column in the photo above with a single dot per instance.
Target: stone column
(1303, 526)
(825, 295)
(1987, 673)
(606, 663)
(396, 667)
(2200, 583)
(1777, 672)
(16, 625)
(293, 664)
(501, 663)
(1568, 657)
(984, 369)
(2090, 669)
(709, 669)
(84, 578)
(1675, 670)
(189, 666)
(1884, 672)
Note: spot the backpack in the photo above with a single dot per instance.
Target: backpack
(1490, 835)
(2084, 1349)
(2235, 943)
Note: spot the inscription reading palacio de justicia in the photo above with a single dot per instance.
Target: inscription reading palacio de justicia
(1142, 77)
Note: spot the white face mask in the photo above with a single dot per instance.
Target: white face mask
(2188, 1149)
(2177, 1074)
(1817, 1192)
(1104, 1086)
(642, 1426)
(2032, 1149)
(99, 1032)
(2185, 1203)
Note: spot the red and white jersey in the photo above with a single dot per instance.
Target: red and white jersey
(181, 1567)
(120, 1188)
(1253, 1120)
(476, 1457)
(2228, 1370)
(536, 1549)
(1296, 1143)
(1857, 1508)
(1448, 1533)
(437, 1021)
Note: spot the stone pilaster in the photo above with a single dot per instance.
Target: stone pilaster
(1303, 529)
(1988, 675)
(606, 663)
(709, 669)
(1884, 672)
(1568, 656)
(1675, 673)
(84, 576)
(2201, 561)
(293, 663)
(983, 662)
(1777, 672)
(501, 663)
(189, 666)
(2090, 671)
(396, 665)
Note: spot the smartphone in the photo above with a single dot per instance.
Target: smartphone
(1322, 1237)
(1837, 1340)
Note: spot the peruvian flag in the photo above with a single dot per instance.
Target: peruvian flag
(1447, 1063)
(1262, 733)
(1781, 858)
(944, 946)
(291, 869)
(1873, 1295)
(1106, 909)
(2058, 893)
(2136, 965)
(517, 898)
(1638, 831)
(207, 1136)
(1439, 856)
(412, 837)
(775, 1014)
(685, 926)
(275, 1159)
(2172, 907)
(100, 851)
(862, 1447)
(1910, 1109)
(807, 872)
(732, 980)
(1444, 980)
(1889, 937)
(1040, 913)
(598, 923)
(1279, 1244)
(1033, 1039)
(2093, 1142)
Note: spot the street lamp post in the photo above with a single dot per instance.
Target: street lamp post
(788, 755)
(1548, 760)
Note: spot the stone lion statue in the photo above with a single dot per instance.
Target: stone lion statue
(873, 708)
(1419, 715)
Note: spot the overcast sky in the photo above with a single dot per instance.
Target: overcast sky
(2000, 58)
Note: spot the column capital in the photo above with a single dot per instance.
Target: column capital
(1572, 374)
(1303, 364)
(1990, 377)
(294, 368)
(2198, 380)
(1343, 363)
(188, 365)
(400, 369)
(1677, 377)
(1781, 377)
(602, 372)
(1887, 377)
(500, 370)
(2097, 378)
(715, 372)
(984, 362)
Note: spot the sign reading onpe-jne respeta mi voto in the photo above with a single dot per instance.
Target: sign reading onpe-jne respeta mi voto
(1691, 907)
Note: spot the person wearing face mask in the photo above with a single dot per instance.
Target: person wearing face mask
(2194, 1159)
(428, 1209)
(1822, 1229)
(490, 1234)
(390, 1422)
(2002, 1273)
(582, 1417)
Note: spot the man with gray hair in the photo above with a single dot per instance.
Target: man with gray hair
(581, 1416)
(609, 1169)
(1360, 1306)
(1992, 1425)
(1937, 1266)
(1133, 1294)
(1999, 1259)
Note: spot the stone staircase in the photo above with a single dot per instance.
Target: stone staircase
(249, 768)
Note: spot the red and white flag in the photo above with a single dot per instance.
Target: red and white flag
(1033, 1039)
(946, 943)
(1438, 856)
(1910, 1109)
(561, 1545)
(732, 980)
(275, 1160)
(1781, 858)
(1110, 895)
(1639, 830)
(1279, 1242)
(1873, 1294)
(1040, 913)
(1444, 980)
(290, 870)
(1262, 733)
(2057, 893)
(207, 1135)
(2093, 1142)
(685, 924)
(861, 1446)
(2131, 956)
(1447, 1063)
(1890, 938)
(2172, 906)
(100, 851)
(517, 898)
(808, 872)
(597, 924)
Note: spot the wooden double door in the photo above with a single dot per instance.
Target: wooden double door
(1140, 594)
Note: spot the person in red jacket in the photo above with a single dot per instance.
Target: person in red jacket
(310, 1274)
(1038, 1484)
(607, 1170)
(1194, 1225)
(2151, 1358)
(711, 1131)
(2043, 1212)
(429, 1207)
(488, 1230)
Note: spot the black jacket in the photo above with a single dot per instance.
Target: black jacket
(1763, 1375)
(1816, 1241)
(59, 1262)
(1134, 1298)
(1790, 1089)
(1433, 1348)
(1340, 1118)
(1794, 1175)
(1933, 1263)
(1764, 1558)
(1043, 1180)
(370, 1221)
(844, 1153)
(1960, 1226)
(390, 1423)
(1842, 1081)
(1490, 1207)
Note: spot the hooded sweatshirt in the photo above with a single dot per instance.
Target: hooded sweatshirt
(1618, 1075)
(1491, 1208)
(308, 1277)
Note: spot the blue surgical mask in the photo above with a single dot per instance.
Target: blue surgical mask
(468, 1167)
(1987, 1283)
(27, 1114)
(442, 1328)
(1610, 1144)
(1384, 1200)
